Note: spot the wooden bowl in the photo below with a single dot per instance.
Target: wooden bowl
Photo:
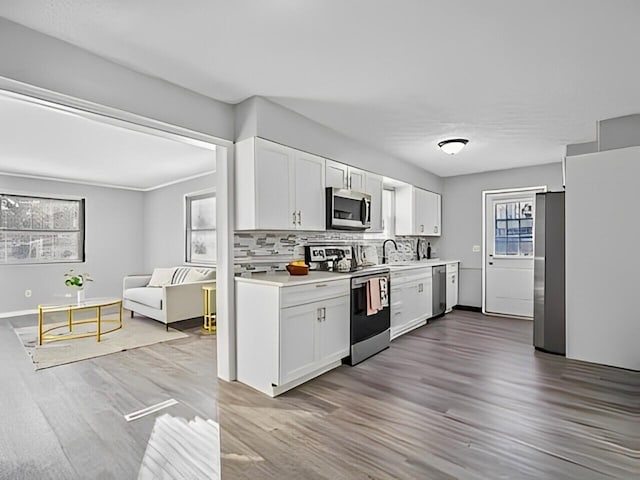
(298, 269)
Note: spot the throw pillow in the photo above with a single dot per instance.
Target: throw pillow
(200, 275)
(161, 277)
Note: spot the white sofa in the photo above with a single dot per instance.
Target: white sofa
(180, 299)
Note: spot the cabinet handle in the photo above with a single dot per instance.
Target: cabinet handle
(421, 228)
(453, 279)
(294, 218)
(324, 314)
(321, 285)
(319, 317)
(435, 229)
(299, 217)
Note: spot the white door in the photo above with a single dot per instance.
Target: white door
(357, 180)
(275, 206)
(374, 188)
(336, 174)
(509, 251)
(298, 340)
(309, 192)
(334, 331)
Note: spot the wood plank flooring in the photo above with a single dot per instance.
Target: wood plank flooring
(466, 397)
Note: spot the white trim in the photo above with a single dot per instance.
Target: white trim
(102, 113)
(180, 180)
(542, 188)
(53, 196)
(19, 313)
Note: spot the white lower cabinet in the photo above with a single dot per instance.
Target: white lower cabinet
(288, 335)
(411, 300)
(452, 286)
(312, 334)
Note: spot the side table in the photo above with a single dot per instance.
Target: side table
(209, 297)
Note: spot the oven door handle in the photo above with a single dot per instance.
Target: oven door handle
(355, 284)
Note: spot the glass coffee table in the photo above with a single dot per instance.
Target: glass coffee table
(70, 311)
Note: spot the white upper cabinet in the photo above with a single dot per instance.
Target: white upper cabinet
(357, 180)
(418, 212)
(278, 187)
(337, 175)
(340, 175)
(309, 191)
(374, 187)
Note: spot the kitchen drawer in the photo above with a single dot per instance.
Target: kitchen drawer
(315, 292)
(452, 267)
(411, 276)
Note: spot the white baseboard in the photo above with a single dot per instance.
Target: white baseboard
(18, 313)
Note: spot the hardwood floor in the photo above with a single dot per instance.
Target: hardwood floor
(67, 422)
(465, 397)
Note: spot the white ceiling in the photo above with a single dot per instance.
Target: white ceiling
(47, 142)
(519, 79)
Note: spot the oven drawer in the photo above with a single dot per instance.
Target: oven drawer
(315, 292)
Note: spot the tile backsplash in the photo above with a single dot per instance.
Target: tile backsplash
(263, 251)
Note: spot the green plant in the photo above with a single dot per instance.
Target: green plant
(76, 280)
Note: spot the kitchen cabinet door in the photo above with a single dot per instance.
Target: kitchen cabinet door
(337, 174)
(298, 350)
(431, 216)
(334, 332)
(374, 188)
(426, 212)
(309, 192)
(452, 290)
(397, 308)
(357, 180)
(274, 202)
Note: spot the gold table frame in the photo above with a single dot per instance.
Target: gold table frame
(209, 316)
(89, 304)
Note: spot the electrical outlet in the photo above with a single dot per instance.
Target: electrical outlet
(475, 249)
(27, 293)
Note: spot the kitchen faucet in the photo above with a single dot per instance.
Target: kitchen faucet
(384, 244)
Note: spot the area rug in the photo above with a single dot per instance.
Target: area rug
(136, 332)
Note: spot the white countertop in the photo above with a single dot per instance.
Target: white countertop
(419, 264)
(283, 279)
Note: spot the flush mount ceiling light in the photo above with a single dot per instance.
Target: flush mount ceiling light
(453, 145)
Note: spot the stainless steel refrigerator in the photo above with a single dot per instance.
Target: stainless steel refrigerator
(549, 274)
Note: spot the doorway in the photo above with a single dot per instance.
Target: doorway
(508, 251)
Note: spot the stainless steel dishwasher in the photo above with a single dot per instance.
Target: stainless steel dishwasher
(439, 292)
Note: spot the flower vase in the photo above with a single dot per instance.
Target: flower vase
(80, 294)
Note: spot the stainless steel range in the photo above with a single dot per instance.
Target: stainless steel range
(370, 299)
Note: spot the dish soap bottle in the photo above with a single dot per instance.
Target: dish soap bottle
(428, 250)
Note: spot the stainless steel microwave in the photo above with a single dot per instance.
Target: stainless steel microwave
(348, 210)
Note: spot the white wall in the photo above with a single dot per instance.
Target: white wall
(462, 218)
(164, 221)
(602, 260)
(43, 61)
(114, 228)
(260, 117)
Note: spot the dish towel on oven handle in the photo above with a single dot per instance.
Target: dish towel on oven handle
(374, 304)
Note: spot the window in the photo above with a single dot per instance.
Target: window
(514, 228)
(388, 213)
(201, 228)
(41, 230)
